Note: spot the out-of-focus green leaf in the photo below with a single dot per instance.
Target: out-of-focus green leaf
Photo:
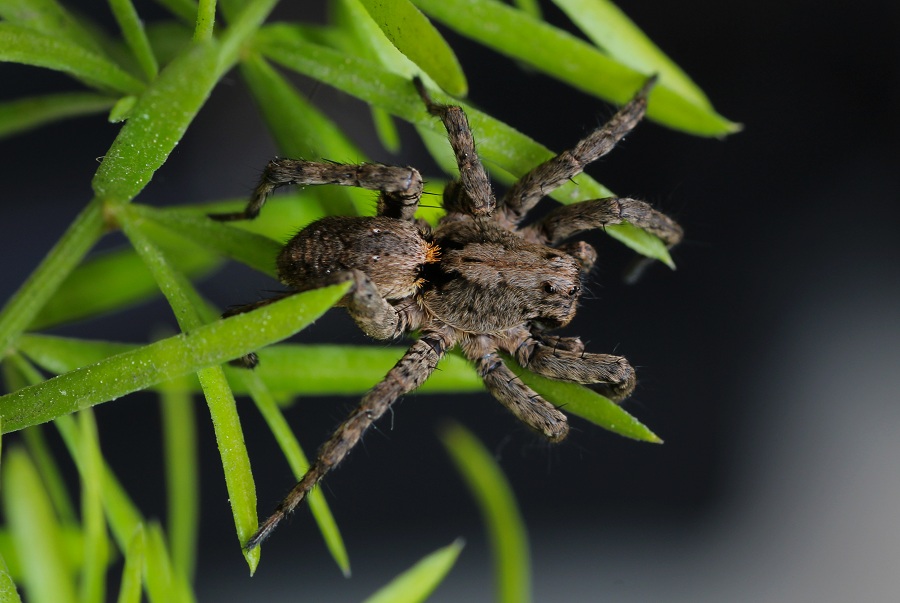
(419, 581)
(414, 35)
(499, 511)
(47, 575)
(135, 36)
(130, 588)
(571, 60)
(50, 18)
(610, 29)
(20, 45)
(25, 114)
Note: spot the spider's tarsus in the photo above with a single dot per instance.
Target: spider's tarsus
(264, 531)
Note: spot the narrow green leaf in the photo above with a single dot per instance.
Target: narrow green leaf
(505, 528)
(121, 512)
(386, 130)
(96, 545)
(569, 59)
(130, 588)
(244, 25)
(503, 148)
(254, 250)
(186, 10)
(182, 354)
(50, 473)
(123, 279)
(164, 585)
(20, 45)
(296, 458)
(135, 36)
(63, 354)
(219, 398)
(50, 18)
(348, 371)
(35, 530)
(179, 431)
(25, 114)
(419, 581)
(8, 592)
(206, 20)
(414, 35)
(340, 370)
(156, 124)
(24, 305)
(302, 131)
(579, 400)
(609, 28)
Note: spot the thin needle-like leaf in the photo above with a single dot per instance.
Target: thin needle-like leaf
(505, 528)
(295, 456)
(135, 36)
(414, 35)
(96, 544)
(20, 45)
(35, 531)
(31, 112)
(419, 581)
(130, 588)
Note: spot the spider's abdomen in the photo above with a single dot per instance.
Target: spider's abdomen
(391, 252)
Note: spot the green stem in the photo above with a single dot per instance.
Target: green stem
(45, 280)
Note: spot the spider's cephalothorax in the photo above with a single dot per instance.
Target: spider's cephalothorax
(480, 280)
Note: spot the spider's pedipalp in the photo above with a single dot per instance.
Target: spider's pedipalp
(473, 194)
(548, 176)
(408, 374)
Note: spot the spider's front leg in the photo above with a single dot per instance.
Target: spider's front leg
(400, 187)
(472, 193)
(566, 221)
(408, 374)
(548, 176)
(525, 403)
(612, 374)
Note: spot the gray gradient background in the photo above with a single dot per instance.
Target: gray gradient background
(769, 361)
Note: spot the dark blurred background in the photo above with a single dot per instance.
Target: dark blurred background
(769, 361)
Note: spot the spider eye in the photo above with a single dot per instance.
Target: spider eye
(549, 289)
(573, 291)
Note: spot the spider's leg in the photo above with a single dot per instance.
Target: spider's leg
(409, 373)
(526, 404)
(400, 187)
(472, 194)
(568, 220)
(547, 177)
(612, 373)
(375, 316)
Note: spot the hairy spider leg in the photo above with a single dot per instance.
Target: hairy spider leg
(400, 187)
(566, 221)
(548, 176)
(410, 372)
(472, 193)
(551, 360)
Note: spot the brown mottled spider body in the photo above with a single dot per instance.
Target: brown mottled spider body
(480, 280)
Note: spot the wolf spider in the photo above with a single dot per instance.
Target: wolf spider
(481, 280)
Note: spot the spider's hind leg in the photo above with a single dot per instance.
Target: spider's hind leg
(408, 374)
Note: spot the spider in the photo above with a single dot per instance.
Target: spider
(480, 280)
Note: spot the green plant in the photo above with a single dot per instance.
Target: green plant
(156, 84)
